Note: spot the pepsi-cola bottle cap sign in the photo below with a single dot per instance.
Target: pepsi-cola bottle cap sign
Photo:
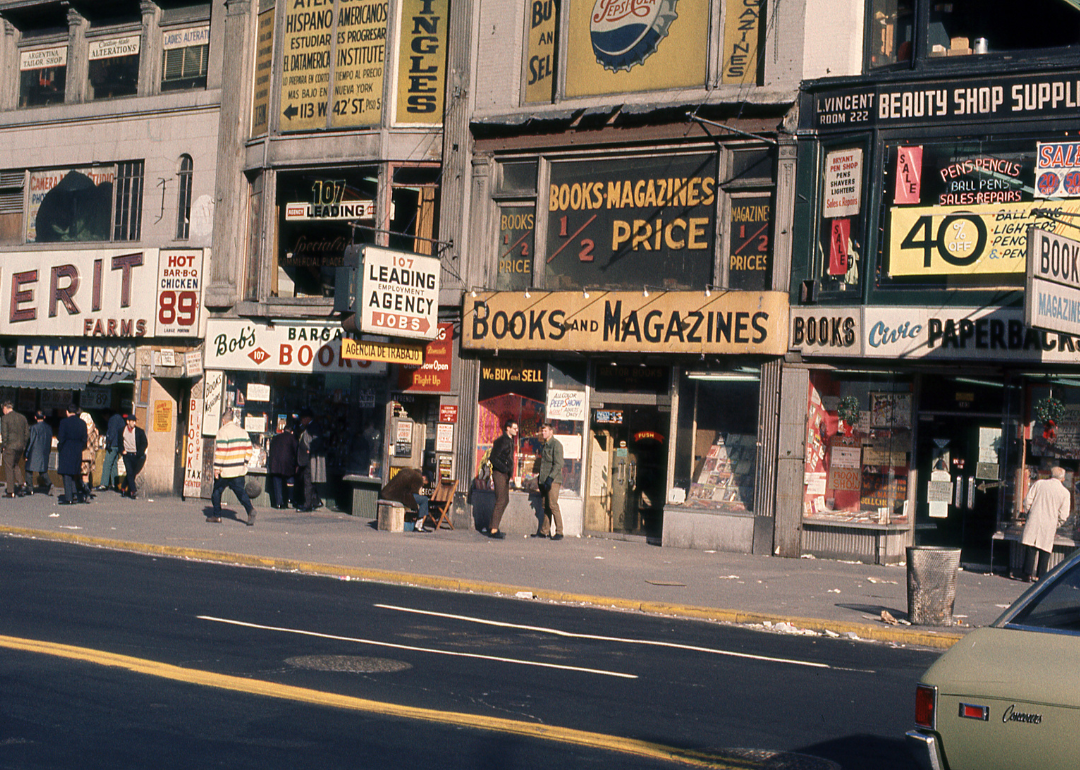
(627, 32)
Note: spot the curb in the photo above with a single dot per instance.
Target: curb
(924, 638)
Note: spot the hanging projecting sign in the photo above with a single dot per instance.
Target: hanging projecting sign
(1052, 298)
(286, 346)
(398, 293)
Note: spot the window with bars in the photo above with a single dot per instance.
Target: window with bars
(183, 206)
(127, 206)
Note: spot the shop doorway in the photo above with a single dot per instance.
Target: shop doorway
(628, 448)
(960, 461)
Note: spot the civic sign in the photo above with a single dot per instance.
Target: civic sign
(398, 294)
(1052, 298)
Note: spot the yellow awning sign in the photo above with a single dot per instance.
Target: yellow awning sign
(390, 352)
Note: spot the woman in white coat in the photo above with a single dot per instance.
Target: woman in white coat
(1047, 504)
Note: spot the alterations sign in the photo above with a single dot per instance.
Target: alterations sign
(398, 293)
(1052, 299)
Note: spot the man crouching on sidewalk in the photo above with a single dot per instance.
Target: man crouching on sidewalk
(231, 449)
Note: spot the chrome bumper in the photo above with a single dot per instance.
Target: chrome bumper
(926, 748)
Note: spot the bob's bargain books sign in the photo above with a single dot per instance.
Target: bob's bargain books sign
(628, 321)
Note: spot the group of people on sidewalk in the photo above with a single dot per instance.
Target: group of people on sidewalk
(549, 474)
(77, 442)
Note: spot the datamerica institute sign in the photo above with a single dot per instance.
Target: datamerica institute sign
(628, 322)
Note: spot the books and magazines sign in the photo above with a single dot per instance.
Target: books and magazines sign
(398, 293)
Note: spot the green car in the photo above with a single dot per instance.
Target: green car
(1008, 695)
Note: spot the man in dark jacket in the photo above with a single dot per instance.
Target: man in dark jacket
(502, 467)
(405, 488)
(281, 464)
(38, 449)
(113, 449)
(14, 433)
(70, 443)
(133, 441)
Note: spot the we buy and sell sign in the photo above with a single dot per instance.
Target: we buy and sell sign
(398, 293)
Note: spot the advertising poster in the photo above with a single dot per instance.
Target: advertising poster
(648, 45)
(287, 346)
(193, 449)
(305, 66)
(543, 20)
(180, 291)
(264, 70)
(422, 64)
(750, 257)
(843, 183)
(213, 401)
(516, 237)
(565, 405)
(433, 375)
(630, 222)
(163, 417)
(908, 175)
(1057, 170)
(359, 63)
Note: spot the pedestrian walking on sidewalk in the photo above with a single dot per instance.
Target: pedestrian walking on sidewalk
(1047, 505)
(133, 441)
(38, 448)
(14, 433)
(114, 430)
(549, 479)
(70, 442)
(89, 455)
(281, 464)
(232, 446)
(502, 466)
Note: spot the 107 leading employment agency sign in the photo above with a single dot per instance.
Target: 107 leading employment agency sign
(398, 293)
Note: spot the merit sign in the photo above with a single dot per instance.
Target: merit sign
(1052, 298)
(398, 294)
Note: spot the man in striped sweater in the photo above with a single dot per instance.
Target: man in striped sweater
(231, 449)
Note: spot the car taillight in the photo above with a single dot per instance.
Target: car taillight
(925, 705)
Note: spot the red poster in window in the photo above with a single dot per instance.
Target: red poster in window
(908, 175)
(838, 246)
(433, 376)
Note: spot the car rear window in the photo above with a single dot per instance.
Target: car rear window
(1055, 609)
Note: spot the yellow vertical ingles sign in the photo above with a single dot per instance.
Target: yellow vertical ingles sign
(543, 18)
(616, 46)
(422, 61)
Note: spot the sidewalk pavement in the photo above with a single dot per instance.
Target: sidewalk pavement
(823, 596)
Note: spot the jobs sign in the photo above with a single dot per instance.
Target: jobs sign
(398, 293)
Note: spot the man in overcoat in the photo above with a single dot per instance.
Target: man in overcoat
(15, 433)
(1047, 505)
(70, 442)
(38, 449)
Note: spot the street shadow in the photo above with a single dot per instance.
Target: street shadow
(859, 751)
(226, 514)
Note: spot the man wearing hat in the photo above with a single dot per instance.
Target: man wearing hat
(13, 432)
(113, 448)
(38, 449)
(133, 442)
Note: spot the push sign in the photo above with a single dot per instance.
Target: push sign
(398, 294)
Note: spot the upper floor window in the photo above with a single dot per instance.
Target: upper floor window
(183, 206)
(85, 203)
(114, 67)
(42, 76)
(913, 31)
(186, 57)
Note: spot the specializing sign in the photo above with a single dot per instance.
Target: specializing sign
(1052, 297)
(625, 322)
(100, 293)
(398, 293)
(975, 240)
(287, 346)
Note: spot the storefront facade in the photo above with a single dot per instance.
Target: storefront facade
(911, 364)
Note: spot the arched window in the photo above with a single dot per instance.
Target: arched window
(183, 203)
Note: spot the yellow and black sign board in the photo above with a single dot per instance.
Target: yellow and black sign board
(390, 352)
(724, 322)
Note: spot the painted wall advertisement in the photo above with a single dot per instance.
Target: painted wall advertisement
(287, 346)
(543, 20)
(264, 72)
(630, 222)
(647, 45)
(101, 293)
(670, 322)
(422, 63)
